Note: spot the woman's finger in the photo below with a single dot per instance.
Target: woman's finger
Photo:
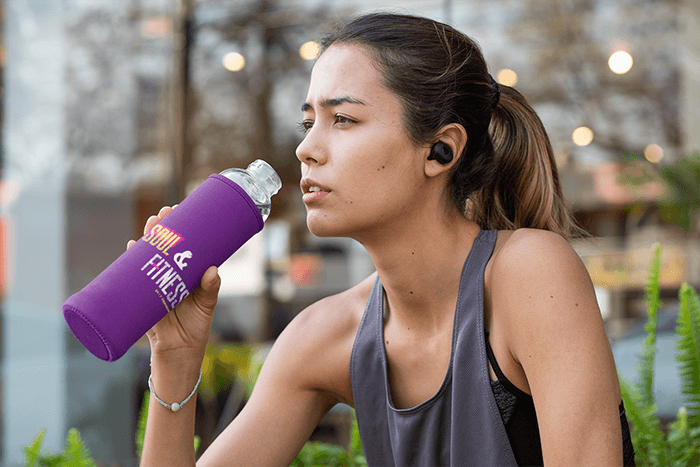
(153, 220)
(130, 243)
(164, 211)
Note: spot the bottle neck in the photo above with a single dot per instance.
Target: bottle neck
(266, 176)
(259, 181)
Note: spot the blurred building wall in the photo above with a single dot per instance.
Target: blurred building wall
(690, 61)
(118, 60)
(33, 377)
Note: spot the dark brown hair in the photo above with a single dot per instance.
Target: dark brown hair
(506, 177)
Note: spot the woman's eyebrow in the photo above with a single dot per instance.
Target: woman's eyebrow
(332, 102)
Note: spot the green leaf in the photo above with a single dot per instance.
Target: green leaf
(684, 441)
(357, 456)
(141, 426)
(31, 452)
(355, 442)
(688, 351)
(647, 436)
(653, 302)
(52, 460)
(683, 202)
(321, 454)
(76, 454)
(681, 447)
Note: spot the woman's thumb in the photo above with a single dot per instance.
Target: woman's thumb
(207, 293)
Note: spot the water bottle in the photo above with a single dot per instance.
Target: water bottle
(149, 279)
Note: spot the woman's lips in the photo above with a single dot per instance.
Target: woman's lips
(314, 196)
(313, 191)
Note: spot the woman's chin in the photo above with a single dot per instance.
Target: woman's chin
(322, 226)
(320, 229)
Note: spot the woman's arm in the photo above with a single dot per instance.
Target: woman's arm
(305, 374)
(285, 407)
(178, 342)
(169, 437)
(289, 399)
(554, 330)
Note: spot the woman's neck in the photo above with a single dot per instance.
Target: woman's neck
(420, 267)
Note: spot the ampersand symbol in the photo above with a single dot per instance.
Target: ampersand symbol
(180, 258)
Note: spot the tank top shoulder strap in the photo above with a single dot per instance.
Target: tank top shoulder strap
(477, 430)
(369, 386)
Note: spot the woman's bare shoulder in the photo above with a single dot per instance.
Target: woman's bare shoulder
(335, 314)
(538, 282)
(526, 256)
(526, 244)
(532, 261)
(317, 343)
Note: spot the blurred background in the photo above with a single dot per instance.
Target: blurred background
(112, 109)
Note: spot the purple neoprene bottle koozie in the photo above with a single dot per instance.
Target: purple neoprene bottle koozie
(121, 304)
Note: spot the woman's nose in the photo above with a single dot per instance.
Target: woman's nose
(310, 151)
(305, 153)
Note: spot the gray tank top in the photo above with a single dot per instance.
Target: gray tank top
(460, 424)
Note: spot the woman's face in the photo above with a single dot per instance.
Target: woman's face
(360, 170)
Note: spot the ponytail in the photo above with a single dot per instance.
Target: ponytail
(525, 191)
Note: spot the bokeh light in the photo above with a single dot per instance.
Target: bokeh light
(654, 153)
(155, 27)
(305, 269)
(309, 50)
(507, 77)
(620, 62)
(233, 61)
(582, 136)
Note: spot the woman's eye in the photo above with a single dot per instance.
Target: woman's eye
(305, 126)
(343, 120)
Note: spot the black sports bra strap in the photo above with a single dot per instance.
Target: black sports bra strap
(492, 360)
(512, 388)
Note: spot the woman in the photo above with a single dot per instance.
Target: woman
(478, 341)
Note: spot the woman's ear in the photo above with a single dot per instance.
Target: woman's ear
(445, 152)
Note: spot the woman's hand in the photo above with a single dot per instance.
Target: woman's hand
(186, 327)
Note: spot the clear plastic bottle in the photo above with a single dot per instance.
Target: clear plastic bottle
(259, 180)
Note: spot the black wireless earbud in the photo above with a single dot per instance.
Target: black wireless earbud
(441, 152)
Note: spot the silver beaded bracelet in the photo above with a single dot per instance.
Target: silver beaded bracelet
(174, 406)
